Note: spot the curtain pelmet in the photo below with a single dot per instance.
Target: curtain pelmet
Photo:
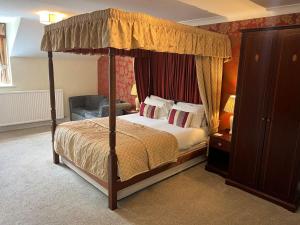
(123, 30)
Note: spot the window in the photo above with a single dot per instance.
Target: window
(5, 78)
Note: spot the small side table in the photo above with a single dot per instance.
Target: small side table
(130, 111)
(219, 153)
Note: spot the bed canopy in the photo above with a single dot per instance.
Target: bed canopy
(123, 30)
(116, 31)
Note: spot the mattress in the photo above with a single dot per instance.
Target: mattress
(186, 137)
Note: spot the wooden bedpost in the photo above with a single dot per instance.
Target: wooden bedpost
(112, 165)
(52, 102)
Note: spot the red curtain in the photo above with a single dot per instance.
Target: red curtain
(142, 76)
(167, 75)
(170, 76)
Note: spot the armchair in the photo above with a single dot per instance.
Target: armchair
(91, 106)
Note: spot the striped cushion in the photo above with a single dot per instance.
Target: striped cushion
(149, 111)
(180, 118)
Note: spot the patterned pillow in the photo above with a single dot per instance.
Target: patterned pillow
(149, 111)
(180, 118)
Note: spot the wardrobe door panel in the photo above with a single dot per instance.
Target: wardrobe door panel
(282, 147)
(249, 123)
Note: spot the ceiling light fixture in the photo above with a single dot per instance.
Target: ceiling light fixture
(47, 17)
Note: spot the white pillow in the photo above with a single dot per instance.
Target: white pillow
(163, 109)
(198, 119)
(169, 103)
(190, 105)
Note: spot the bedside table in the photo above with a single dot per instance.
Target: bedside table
(130, 111)
(219, 153)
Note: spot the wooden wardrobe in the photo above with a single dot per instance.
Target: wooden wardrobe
(265, 157)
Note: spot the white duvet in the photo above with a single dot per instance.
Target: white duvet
(186, 137)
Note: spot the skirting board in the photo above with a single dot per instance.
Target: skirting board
(142, 184)
(30, 125)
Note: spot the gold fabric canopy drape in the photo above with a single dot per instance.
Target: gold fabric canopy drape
(123, 30)
(209, 76)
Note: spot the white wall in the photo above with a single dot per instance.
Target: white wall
(76, 76)
(11, 32)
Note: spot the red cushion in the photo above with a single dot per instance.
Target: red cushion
(180, 118)
(149, 111)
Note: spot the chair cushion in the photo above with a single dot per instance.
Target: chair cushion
(91, 114)
(84, 112)
(80, 111)
(77, 117)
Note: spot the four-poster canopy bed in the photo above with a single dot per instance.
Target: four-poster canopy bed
(121, 33)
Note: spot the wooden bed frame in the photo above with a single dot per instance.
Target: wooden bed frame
(143, 180)
(114, 184)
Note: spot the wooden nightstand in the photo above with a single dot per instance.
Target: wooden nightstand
(219, 153)
(130, 111)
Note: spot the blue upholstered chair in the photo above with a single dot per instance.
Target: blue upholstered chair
(91, 106)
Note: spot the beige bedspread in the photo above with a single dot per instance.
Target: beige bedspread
(138, 148)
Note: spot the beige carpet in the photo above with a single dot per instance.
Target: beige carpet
(33, 191)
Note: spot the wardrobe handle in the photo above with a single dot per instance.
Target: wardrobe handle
(263, 118)
(268, 120)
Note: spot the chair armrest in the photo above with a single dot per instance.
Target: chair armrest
(123, 106)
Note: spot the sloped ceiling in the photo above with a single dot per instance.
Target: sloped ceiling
(28, 39)
(26, 32)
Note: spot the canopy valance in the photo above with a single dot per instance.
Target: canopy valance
(126, 30)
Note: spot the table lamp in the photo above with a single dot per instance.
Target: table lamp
(134, 93)
(229, 107)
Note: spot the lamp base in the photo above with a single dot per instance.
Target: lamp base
(137, 104)
(231, 122)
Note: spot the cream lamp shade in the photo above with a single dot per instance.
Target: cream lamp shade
(133, 90)
(229, 107)
(134, 93)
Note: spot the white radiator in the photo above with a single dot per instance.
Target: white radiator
(29, 106)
